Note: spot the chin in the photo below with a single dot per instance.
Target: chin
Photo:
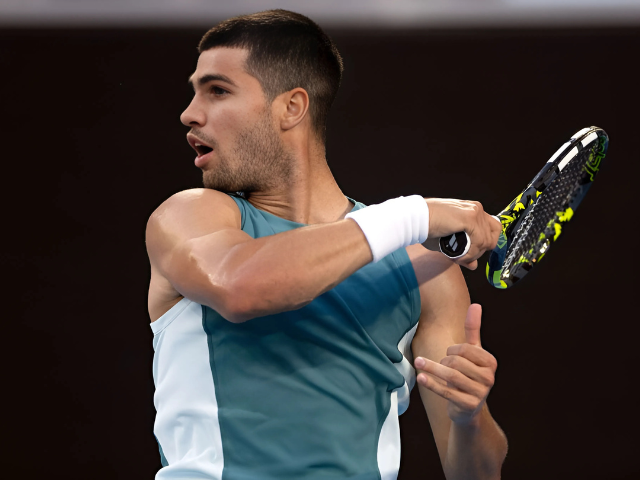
(225, 187)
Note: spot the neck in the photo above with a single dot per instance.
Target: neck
(311, 194)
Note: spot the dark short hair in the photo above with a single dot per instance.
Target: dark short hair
(286, 50)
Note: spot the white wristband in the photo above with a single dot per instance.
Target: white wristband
(393, 224)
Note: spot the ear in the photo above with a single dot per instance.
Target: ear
(296, 105)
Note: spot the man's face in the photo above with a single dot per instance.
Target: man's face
(232, 127)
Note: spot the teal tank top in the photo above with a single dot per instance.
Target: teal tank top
(315, 393)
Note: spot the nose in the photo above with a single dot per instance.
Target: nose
(193, 116)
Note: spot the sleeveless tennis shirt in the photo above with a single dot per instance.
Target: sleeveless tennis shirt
(310, 394)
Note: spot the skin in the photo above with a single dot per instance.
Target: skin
(455, 374)
(197, 248)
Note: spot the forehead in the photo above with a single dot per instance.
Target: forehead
(228, 62)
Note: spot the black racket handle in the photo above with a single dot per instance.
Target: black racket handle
(455, 245)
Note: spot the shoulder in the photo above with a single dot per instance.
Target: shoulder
(190, 214)
(195, 206)
(195, 201)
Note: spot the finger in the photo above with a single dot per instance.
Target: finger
(419, 364)
(495, 230)
(474, 354)
(483, 375)
(431, 378)
(487, 236)
(454, 378)
(484, 238)
(470, 259)
(461, 399)
(472, 324)
(471, 266)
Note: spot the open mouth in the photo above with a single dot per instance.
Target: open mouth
(202, 149)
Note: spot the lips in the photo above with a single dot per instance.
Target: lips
(202, 149)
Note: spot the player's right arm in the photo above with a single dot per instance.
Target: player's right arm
(195, 242)
(196, 246)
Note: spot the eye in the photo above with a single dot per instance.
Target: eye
(218, 91)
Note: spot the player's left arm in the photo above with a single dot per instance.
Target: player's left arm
(455, 374)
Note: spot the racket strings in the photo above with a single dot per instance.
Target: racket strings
(541, 224)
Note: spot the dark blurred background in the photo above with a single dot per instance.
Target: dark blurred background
(92, 144)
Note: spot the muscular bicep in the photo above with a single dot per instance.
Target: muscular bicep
(444, 302)
(189, 238)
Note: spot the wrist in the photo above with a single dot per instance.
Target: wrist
(473, 422)
(393, 224)
(434, 216)
(449, 215)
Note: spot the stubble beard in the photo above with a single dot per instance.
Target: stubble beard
(257, 162)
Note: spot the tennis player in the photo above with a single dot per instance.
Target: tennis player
(289, 319)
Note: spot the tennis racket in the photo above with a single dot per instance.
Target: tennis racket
(537, 216)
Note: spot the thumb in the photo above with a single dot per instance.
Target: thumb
(472, 324)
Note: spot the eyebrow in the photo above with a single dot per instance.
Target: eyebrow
(211, 78)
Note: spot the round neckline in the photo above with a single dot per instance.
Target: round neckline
(355, 205)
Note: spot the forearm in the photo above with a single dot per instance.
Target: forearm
(475, 451)
(243, 278)
(454, 377)
(288, 270)
(284, 271)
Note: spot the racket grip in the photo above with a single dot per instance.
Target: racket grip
(457, 245)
